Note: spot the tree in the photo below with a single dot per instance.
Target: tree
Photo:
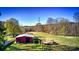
(39, 27)
(63, 26)
(2, 35)
(76, 18)
(12, 27)
(51, 21)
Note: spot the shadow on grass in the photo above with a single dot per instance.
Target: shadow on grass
(40, 47)
(60, 48)
(12, 48)
(76, 49)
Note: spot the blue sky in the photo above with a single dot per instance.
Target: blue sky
(30, 15)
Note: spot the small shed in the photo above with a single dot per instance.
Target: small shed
(24, 38)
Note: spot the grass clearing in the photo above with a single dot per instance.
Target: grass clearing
(62, 40)
(66, 43)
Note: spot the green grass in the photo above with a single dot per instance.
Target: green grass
(39, 47)
(66, 43)
(62, 40)
(9, 38)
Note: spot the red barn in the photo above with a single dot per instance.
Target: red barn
(24, 38)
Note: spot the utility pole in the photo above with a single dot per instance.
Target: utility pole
(38, 25)
(39, 20)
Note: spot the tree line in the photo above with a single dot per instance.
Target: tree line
(59, 26)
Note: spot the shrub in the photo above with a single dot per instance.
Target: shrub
(36, 40)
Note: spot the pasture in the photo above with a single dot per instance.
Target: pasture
(66, 43)
(62, 40)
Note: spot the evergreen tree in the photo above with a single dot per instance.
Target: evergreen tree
(2, 35)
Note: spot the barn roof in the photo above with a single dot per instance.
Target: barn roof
(27, 35)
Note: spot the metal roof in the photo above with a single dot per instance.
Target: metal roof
(27, 35)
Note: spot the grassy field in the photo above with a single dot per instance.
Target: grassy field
(66, 43)
(8, 38)
(62, 40)
(40, 47)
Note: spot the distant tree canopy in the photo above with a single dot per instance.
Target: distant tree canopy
(51, 21)
(64, 24)
(63, 20)
(76, 16)
(12, 26)
(58, 26)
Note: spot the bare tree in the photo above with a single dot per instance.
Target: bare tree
(76, 18)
